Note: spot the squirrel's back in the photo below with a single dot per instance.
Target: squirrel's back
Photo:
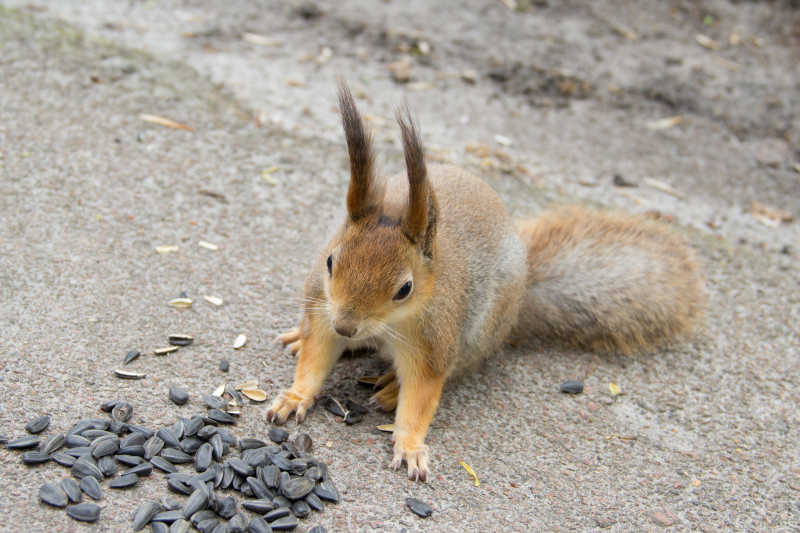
(608, 281)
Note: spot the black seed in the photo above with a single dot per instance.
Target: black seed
(144, 469)
(176, 456)
(334, 406)
(227, 477)
(168, 516)
(162, 464)
(196, 502)
(24, 443)
(71, 489)
(98, 423)
(284, 524)
(130, 356)
(34, 458)
(296, 488)
(122, 412)
(180, 526)
(221, 416)
(217, 446)
(246, 491)
(256, 457)
(117, 427)
(214, 402)
(152, 447)
(258, 487)
(53, 444)
(281, 462)
(258, 525)
(314, 473)
(270, 475)
(206, 432)
(107, 465)
(73, 440)
(125, 374)
(282, 501)
(177, 428)
(79, 452)
(191, 444)
(52, 494)
(352, 418)
(201, 516)
(181, 340)
(227, 507)
(124, 482)
(314, 502)
(85, 512)
(170, 504)
(326, 490)
(37, 425)
(130, 460)
(419, 507)
(178, 395)
(108, 405)
(275, 514)
(241, 468)
(91, 487)
(159, 527)
(238, 524)
(179, 486)
(94, 434)
(247, 444)
(86, 467)
(299, 466)
(260, 506)
(136, 428)
(301, 509)
(133, 439)
(169, 437)
(224, 365)
(105, 446)
(194, 425)
(64, 459)
(278, 434)
(135, 449)
(572, 387)
(3, 439)
(144, 514)
(317, 529)
(207, 526)
(227, 437)
(202, 459)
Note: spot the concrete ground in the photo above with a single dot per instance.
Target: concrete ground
(547, 102)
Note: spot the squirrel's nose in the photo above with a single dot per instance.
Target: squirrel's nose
(345, 329)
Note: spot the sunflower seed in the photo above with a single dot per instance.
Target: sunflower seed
(162, 464)
(179, 486)
(152, 447)
(296, 488)
(202, 459)
(178, 395)
(284, 524)
(206, 432)
(64, 459)
(180, 339)
(258, 525)
(277, 435)
(124, 482)
(419, 507)
(238, 524)
(314, 502)
(122, 412)
(208, 526)
(144, 514)
(143, 469)
(191, 444)
(571, 387)
(317, 529)
(241, 468)
(333, 405)
(34, 458)
(200, 516)
(79, 451)
(221, 416)
(258, 487)
(24, 443)
(136, 428)
(218, 447)
(52, 494)
(208, 245)
(166, 350)
(124, 374)
(94, 434)
(107, 465)
(270, 476)
(73, 440)
(168, 516)
(248, 443)
(193, 426)
(130, 356)
(135, 449)
(196, 502)
(181, 303)
(91, 487)
(71, 489)
(260, 506)
(84, 512)
(37, 425)
(280, 512)
(214, 402)
(227, 507)
(176, 456)
(257, 395)
(129, 460)
(224, 365)
(327, 491)
(214, 300)
(301, 509)
(86, 467)
(180, 526)
(159, 527)
(170, 504)
(169, 437)
(240, 341)
(105, 446)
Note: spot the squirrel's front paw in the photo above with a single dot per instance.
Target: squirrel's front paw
(292, 339)
(285, 404)
(415, 456)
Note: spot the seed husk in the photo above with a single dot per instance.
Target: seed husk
(130, 356)
(162, 464)
(24, 443)
(335, 407)
(84, 512)
(179, 339)
(178, 396)
(224, 365)
(165, 350)
(258, 525)
(125, 374)
(571, 387)
(124, 482)
(37, 425)
(387, 428)
(107, 465)
(284, 524)
(34, 457)
(221, 416)
(419, 507)
(181, 303)
(53, 494)
(122, 412)
(240, 341)
(91, 487)
(175, 456)
(257, 395)
(71, 489)
(302, 443)
(214, 300)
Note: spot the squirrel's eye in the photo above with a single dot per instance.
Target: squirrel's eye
(404, 291)
(330, 265)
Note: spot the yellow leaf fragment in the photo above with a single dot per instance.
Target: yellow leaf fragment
(471, 472)
(162, 121)
(614, 388)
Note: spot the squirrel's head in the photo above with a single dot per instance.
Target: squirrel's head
(380, 267)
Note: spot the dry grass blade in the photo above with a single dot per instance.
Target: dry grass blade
(162, 121)
(663, 187)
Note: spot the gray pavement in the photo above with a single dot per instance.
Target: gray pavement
(704, 436)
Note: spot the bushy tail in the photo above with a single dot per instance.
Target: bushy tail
(608, 282)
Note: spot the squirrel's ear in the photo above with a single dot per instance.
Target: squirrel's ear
(363, 196)
(419, 221)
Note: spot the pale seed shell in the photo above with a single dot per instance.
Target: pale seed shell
(167, 248)
(257, 395)
(214, 300)
(165, 350)
(240, 341)
(181, 303)
(218, 391)
(388, 428)
(208, 245)
(249, 384)
(124, 374)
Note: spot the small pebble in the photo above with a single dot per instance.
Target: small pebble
(224, 365)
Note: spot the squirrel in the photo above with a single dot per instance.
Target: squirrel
(431, 271)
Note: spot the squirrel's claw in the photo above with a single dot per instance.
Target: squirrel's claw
(285, 404)
(416, 459)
